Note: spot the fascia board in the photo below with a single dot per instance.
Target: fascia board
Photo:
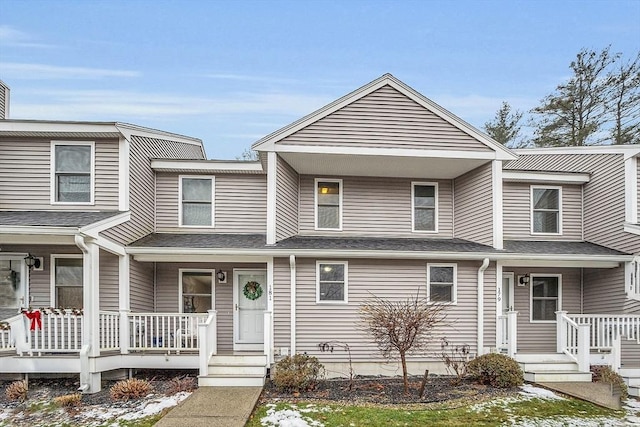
(128, 129)
(99, 226)
(554, 177)
(28, 229)
(632, 228)
(222, 166)
(626, 150)
(396, 152)
(53, 126)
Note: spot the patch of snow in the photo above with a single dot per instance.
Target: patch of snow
(541, 393)
(155, 406)
(291, 417)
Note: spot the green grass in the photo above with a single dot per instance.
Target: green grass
(492, 414)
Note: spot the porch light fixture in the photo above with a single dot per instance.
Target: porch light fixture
(32, 262)
(222, 276)
(524, 280)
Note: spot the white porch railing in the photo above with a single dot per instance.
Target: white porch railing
(208, 341)
(58, 331)
(573, 340)
(7, 342)
(502, 332)
(109, 330)
(507, 333)
(605, 329)
(165, 331)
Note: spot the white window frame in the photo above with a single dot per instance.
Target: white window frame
(315, 203)
(213, 200)
(53, 180)
(52, 276)
(196, 270)
(454, 291)
(546, 187)
(346, 282)
(413, 206)
(559, 308)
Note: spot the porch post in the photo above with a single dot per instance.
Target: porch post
(583, 348)
(561, 331)
(512, 330)
(124, 302)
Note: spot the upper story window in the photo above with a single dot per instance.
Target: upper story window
(328, 204)
(442, 283)
(196, 201)
(546, 210)
(72, 172)
(331, 282)
(545, 297)
(425, 206)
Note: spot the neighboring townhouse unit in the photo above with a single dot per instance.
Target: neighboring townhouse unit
(226, 266)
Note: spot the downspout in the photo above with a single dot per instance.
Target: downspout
(292, 265)
(483, 267)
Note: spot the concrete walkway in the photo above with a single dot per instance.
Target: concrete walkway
(599, 393)
(214, 407)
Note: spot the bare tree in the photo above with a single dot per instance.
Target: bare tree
(248, 155)
(625, 102)
(401, 326)
(505, 126)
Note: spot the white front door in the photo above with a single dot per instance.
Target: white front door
(507, 292)
(13, 273)
(250, 303)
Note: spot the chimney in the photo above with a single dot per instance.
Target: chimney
(4, 101)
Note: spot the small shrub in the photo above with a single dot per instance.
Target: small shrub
(130, 389)
(17, 391)
(68, 400)
(604, 374)
(496, 370)
(180, 384)
(456, 359)
(297, 373)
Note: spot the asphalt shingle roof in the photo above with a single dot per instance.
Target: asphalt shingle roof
(384, 244)
(52, 219)
(217, 241)
(556, 247)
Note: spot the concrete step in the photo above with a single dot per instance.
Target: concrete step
(551, 367)
(543, 358)
(632, 381)
(258, 371)
(630, 372)
(634, 391)
(557, 376)
(231, 381)
(239, 359)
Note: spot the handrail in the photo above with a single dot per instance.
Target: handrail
(605, 330)
(208, 341)
(573, 340)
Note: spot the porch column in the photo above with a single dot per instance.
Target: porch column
(124, 303)
(90, 381)
(512, 330)
(561, 331)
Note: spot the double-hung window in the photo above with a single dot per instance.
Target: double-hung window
(196, 201)
(331, 282)
(197, 291)
(546, 210)
(72, 172)
(425, 206)
(442, 283)
(328, 200)
(67, 281)
(545, 297)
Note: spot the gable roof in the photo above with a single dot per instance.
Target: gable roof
(268, 142)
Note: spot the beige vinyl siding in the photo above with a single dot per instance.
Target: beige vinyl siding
(142, 184)
(287, 190)
(281, 303)
(535, 337)
(603, 195)
(240, 204)
(392, 279)
(109, 280)
(473, 205)
(384, 119)
(141, 286)
(4, 101)
(517, 212)
(25, 173)
(376, 207)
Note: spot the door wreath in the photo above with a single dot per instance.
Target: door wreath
(252, 290)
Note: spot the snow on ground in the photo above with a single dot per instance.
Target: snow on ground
(291, 417)
(530, 392)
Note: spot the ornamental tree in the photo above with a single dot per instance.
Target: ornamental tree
(401, 327)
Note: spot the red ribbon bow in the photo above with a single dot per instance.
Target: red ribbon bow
(36, 319)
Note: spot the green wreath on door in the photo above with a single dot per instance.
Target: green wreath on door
(252, 290)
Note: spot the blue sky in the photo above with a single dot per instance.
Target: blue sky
(230, 72)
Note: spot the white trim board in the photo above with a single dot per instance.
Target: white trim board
(545, 177)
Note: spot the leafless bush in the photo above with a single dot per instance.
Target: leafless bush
(401, 326)
(130, 389)
(179, 384)
(68, 400)
(17, 390)
(455, 359)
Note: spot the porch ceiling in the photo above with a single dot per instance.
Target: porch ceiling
(440, 166)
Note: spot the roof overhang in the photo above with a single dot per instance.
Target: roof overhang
(626, 150)
(38, 235)
(207, 166)
(545, 177)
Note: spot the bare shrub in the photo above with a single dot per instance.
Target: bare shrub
(180, 384)
(401, 326)
(300, 372)
(68, 400)
(17, 391)
(330, 345)
(456, 359)
(130, 389)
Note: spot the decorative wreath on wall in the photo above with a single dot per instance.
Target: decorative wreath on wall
(252, 290)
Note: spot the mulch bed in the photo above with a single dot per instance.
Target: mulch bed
(389, 390)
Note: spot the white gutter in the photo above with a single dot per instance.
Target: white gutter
(292, 266)
(36, 229)
(483, 267)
